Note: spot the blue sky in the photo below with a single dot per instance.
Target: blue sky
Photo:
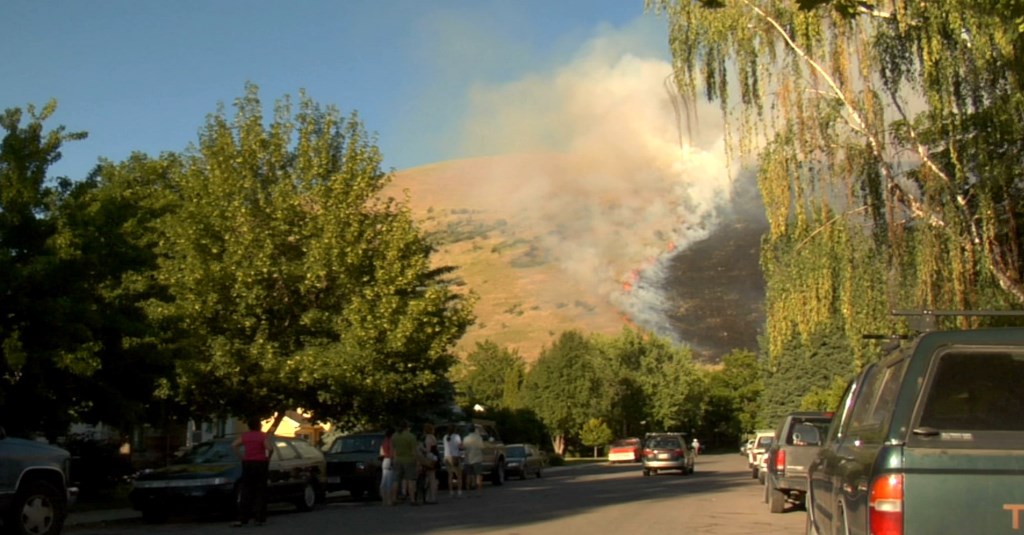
(427, 77)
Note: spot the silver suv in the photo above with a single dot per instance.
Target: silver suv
(35, 488)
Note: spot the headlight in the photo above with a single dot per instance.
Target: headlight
(175, 483)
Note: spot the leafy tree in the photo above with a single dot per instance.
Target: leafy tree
(46, 314)
(734, 392)
(563, 387)
(672, 385)
(595, 433)
(492, 376)
(299, 284)
(626, 404)
(889, 139)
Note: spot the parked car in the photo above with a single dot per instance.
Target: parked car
(755, 454)
(928, 440)
(354, 464)
(799, 437)
(625, 450)
(524, 459)
(667, 451)
(494, 464)
(206, 478)
(35, 486)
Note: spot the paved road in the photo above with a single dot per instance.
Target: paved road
(720, 499)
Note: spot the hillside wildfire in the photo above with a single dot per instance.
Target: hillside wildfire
(549, 242)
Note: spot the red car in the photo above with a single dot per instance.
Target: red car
(625, 450)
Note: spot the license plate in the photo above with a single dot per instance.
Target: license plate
(664, 455)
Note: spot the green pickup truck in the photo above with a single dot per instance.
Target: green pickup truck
(929, 440)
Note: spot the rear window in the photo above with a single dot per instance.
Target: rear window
(626, 443)
(765, 442)
(976, 391)
(807, 431)
(357, 444)
(663, 443)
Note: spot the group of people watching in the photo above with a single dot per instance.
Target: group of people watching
(409, 464)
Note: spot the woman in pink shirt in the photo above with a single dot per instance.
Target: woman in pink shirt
(255, 448)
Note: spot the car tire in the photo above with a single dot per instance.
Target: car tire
(38, 508)
(308, 499)
(647, 472)
(522, 474)
(498, 477)
(539, 473)
(754, 472)
(760, 478)
(776, 500)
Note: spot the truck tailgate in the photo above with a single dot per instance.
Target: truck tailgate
(963, 491)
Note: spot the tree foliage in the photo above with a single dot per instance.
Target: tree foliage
(889, 137)
(492, 376)
(299, 285)
(596, 434)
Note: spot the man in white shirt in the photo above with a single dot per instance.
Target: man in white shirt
(453, 459)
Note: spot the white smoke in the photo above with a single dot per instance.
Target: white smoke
(633, 187)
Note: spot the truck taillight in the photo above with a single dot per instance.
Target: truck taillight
(780, 461)
(886, 505)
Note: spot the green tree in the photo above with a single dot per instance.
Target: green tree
(595, 433)
(300, 285)
(563, 387)
(674, 388)
(889, 140)
(46, 314)
(492, 376)
(734, 392)
(626, 403)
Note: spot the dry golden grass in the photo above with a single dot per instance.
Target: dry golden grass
(524, 302)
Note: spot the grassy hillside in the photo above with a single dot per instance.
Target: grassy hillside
(537, 274)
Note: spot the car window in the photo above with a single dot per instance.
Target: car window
(357, 444)
(284, 450)
(663, 442)
(807, 431)
(307, 450)
(765, 442)
(208, 453)
(976, 391)
(862, 426)
(515, 451)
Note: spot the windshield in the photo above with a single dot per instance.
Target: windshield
(516, 451)
(663, 443)
(765, 442)
(359, 444)
(625, 443)
(208, 453)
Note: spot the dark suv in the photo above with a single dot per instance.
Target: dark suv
(928, 440)
(354, 465)
(667, 451)
(797, 440)
(35, 489)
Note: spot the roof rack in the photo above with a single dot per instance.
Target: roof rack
(925, 320)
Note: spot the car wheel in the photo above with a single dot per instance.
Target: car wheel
(776, 500)
(499, 473)
(308, 500)
(538, 473)
(37, 509)
(760, 477)
(647, 472)
(754, 472)
(522, 473)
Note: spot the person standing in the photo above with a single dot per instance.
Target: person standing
(474, 446)
(254, 448)
(430, 445)
(453, 459)
(405, 466)
(696, 446)
(387, 472)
